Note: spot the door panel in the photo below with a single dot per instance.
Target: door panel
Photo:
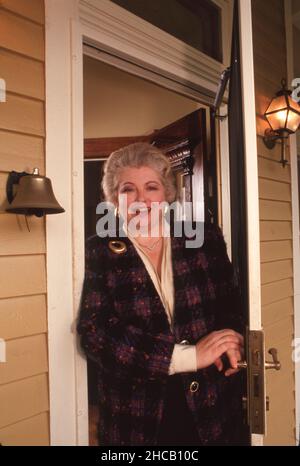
(191, 147)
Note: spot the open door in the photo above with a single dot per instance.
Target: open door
(190, 145)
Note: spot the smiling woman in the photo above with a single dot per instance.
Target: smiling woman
(139, 180)
(141, 192)
(160, 320)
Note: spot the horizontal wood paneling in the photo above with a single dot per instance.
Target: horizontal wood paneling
(265, 34)
(25, 357)
(22, 36)
(280, 433)
(274, 190)
(22, 115)
(275, 230)
(273, 154)
(20, 152)
(22, 275)
(278, 335)
(24, 417)
(265, 63)
(273, 271)
(271, 251)
(270, 66)
(31, 9)
(269, 54)
(285, 377)
(15, 237)
(273, 170)
(30, 432)
(267, 87)
(31, 82)
(296, 40)
(23, 316)
(281, 417)
(23, 399)
(270, 14)
(277, 310)
(275, 291)
(275, 210)
(280, 330)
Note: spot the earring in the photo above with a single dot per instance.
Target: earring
(116, 211)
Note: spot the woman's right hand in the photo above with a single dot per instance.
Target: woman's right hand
(211, 347)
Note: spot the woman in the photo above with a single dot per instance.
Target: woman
(161, 320)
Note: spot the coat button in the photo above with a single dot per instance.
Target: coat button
(194, 386)
(184, 342)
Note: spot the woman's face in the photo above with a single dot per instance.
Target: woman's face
(138, 189)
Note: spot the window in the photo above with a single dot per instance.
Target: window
(195, 22)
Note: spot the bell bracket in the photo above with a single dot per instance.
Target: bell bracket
(13, 179)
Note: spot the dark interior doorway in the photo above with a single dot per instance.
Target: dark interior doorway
(121, 108)
(188, 144)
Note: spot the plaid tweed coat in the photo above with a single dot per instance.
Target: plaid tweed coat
(124, 328)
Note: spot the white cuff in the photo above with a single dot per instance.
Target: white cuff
(183, 359)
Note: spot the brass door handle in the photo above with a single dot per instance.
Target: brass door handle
(242, 364)
(275, 364)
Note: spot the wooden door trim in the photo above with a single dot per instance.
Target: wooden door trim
(251, 169)
(102, 147)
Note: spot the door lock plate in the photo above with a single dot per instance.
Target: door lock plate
(256, 400)
(256, 382)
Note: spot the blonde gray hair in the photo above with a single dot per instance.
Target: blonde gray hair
(138, 154)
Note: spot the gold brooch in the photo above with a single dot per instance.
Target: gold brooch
(118, 247)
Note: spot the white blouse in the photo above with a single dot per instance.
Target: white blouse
(184, 355)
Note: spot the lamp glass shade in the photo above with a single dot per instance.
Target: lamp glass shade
(293, 121)
(283, 114)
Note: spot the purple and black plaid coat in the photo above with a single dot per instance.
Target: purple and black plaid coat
(124, 328)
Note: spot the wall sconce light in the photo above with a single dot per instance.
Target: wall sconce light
(34, 195)
(283, 116)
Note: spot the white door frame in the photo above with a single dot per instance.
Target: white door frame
(119, 32)
(251, 167)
